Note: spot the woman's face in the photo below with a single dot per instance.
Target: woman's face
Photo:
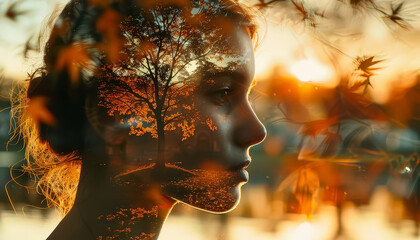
(190, 125)
(217, 155)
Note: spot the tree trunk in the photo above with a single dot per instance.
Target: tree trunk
(160, 163)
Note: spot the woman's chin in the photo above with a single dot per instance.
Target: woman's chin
(217, 201)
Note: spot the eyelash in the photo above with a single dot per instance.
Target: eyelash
(221, 96)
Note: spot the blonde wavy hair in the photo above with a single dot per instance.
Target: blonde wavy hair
(56, 176)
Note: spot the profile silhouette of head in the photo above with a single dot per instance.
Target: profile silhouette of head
(150, 100)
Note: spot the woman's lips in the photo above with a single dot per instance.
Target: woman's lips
(240, 166)
(239, 171)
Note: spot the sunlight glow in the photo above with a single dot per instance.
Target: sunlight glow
(304, 231)
(308, 70)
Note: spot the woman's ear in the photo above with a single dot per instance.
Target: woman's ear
(107, 127)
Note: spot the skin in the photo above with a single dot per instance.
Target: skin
(225, 102)
(115, 201)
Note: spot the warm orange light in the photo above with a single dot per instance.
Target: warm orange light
(308, 70)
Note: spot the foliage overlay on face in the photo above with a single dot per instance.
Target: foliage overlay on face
(181, 82)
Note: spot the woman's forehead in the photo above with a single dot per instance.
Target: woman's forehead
(238, 63)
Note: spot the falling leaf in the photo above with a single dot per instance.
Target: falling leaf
(108, 25)
(39, 112)
(365, 64)
(395, 16)
(73, 58)
(13, 13)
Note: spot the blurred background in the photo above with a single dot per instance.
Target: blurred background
(339, 93)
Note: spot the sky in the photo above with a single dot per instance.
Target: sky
(342, 35)
(324, 52)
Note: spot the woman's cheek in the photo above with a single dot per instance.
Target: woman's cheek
(223, 125)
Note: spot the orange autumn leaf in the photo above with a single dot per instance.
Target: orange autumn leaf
(73, 58)
(39, 112)
(108, 25)
(188, 129)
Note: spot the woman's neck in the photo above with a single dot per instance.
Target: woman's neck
(142, 219)
(118, 223)
(106, 208)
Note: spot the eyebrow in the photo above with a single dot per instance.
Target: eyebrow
(235, 75)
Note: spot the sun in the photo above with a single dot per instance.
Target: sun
(308, 70)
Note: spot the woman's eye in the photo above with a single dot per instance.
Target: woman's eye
(222, 96)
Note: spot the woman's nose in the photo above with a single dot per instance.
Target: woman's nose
(248, 130)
